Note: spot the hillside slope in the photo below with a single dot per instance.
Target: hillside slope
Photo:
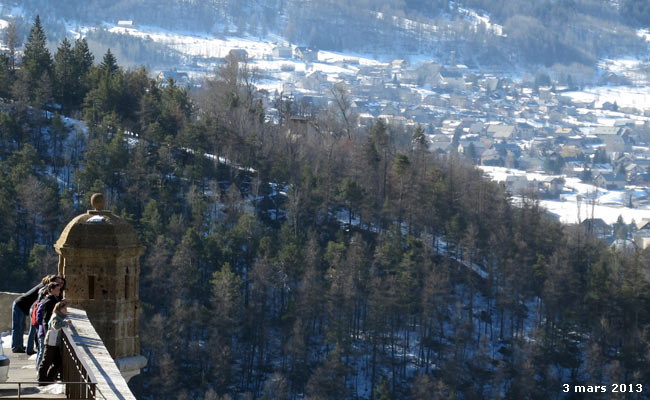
(474, 32)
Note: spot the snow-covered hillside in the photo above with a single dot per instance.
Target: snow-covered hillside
(202, 53)
(580, 201)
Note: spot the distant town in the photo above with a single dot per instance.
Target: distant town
(535, 126)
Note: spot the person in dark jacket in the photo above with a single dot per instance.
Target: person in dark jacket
(20, 310)
(51, 364)
(61, 281)
(44, 313)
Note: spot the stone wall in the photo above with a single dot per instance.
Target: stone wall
(6, 302)
(105, 285)
(110, 375)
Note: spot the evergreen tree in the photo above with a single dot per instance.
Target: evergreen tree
(37, 60)
(226, 304)
(383, 391)
(82, 62)
(82, 56)
(6, 76)
(109, 63)
(328, 380)
(64, 73)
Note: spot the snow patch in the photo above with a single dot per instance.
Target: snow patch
(483, 20)
(624, 96)
(593, 200)
(644, 33)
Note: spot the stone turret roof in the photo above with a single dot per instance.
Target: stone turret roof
(98, 229)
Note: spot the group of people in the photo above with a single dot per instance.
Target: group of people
(46, 309)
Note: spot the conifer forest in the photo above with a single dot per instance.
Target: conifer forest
(305, 258)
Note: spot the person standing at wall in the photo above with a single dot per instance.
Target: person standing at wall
(20, 311)
(51, 364)
(44, 313)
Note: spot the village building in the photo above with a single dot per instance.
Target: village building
(126, 24)
(282, 51)
(610, 181)
(307, 54)
(642, 235)
(501, 131)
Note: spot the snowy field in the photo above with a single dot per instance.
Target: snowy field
(608, 204)
(204, 50)
(196, 45)
(624, 96)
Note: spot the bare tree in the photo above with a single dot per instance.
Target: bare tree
(340, 94)
(12, 40)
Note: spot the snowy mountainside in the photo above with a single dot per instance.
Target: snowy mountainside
(474, 32)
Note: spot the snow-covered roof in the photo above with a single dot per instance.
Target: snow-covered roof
(606, 130)
(501, 131)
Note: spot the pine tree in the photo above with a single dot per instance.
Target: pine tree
(82, 56)
(226, 305)
(82, 62)
(350, 194)
(64, 88)
(401, 167)
(328, 380)
(382, 391)
(37, 60)
(7, 205)
(59, 132)
(151, 222)
(109, 63)
(6, 76)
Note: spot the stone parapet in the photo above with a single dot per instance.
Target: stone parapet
(6, 303)
(111, 375)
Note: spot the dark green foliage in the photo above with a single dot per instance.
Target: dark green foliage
(6, 76)
(37, 60)
(69, 72)
(109, 63)
(82, 57)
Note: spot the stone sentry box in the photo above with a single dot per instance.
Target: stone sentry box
(99, 255)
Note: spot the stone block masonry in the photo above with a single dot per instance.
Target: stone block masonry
(99, 255)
